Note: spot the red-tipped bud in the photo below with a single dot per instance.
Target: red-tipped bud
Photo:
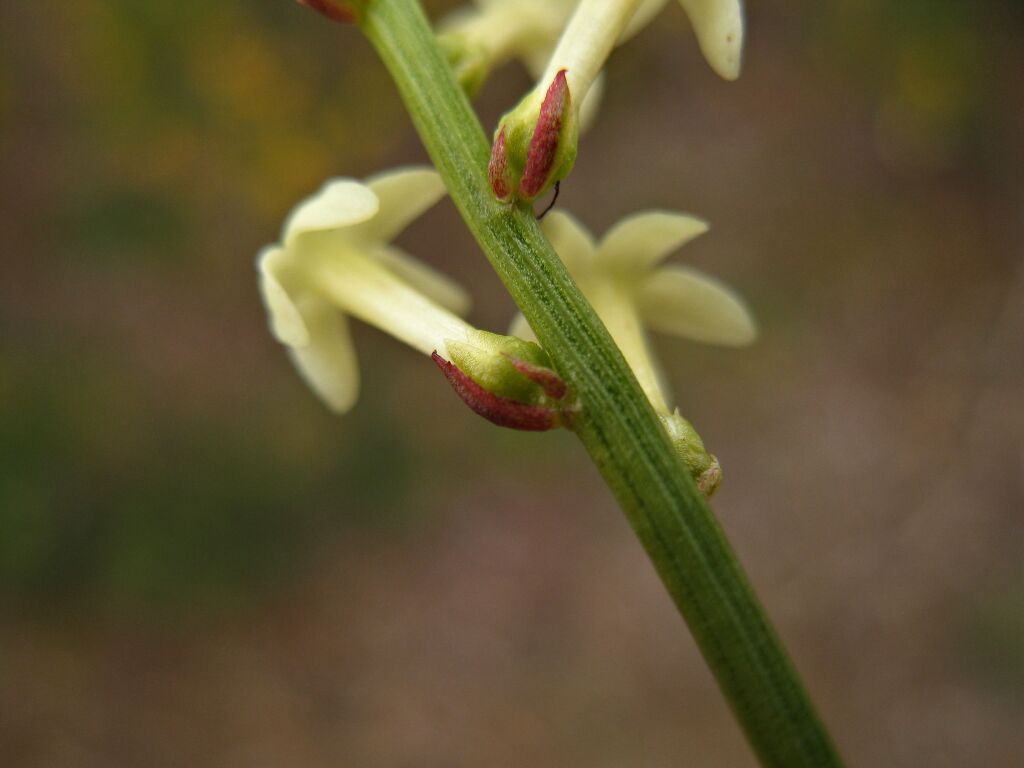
(497, 410)
(336, 10)
(548, 380)
(497, 169)
(547, 138)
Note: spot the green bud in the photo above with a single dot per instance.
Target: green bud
(704, 467)
(496, 363)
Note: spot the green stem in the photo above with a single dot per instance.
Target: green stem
(616, 424)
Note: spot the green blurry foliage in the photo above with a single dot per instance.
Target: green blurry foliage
(104, 496)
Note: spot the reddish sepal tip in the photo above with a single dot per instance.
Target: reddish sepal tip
(548, 380)
(497, 168)
(540, 158)
(497, 410)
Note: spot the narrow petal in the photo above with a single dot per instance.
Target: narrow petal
(684, 302)
(404, 195)
(432, 283)
(571, 241)
(640, 241)
(328, 361)
(718, 25)
(339, 203)
(286, 321)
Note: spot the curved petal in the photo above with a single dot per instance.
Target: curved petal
(339, 203)
(519, 327)
(688, 303)
(286, 321)
(571, 241)
(640, 241)
(328, 361)
(718, 25)
(433, 284)
(404, 194)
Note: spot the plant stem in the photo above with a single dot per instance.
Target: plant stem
(616, 423)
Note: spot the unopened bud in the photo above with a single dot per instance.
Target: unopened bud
(535, 144)
(502, 411)
(506, 380)
(704, 468)
(345, 11)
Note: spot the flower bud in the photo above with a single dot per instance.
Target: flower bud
(704, 468)
(506, 380)
(535, 144)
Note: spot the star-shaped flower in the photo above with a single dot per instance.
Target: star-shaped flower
(623, 279)
(334, 259)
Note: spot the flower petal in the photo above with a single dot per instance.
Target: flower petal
(286, 321)
(429, 281)
(339, 203)
(404, 194)
(688, 303)
(571, 241)
(328, 361)
(640, 241)
(718, 25)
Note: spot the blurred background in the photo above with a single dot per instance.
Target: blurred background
(199, 565)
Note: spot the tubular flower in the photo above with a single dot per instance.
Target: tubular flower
(623, 281)
(527, 137)
(485, 35)
(334, 260)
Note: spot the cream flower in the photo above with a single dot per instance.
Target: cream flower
(534, 145)
(628, 288)
(481, 37)
(623, 281)
(334, 260)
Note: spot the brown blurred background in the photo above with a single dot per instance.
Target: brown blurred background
(200, 566)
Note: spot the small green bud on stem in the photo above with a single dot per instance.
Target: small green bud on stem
(704, 467)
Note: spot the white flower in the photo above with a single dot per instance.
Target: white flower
(597, 26)
(623, 281)
(334, 259)
(534, 145)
